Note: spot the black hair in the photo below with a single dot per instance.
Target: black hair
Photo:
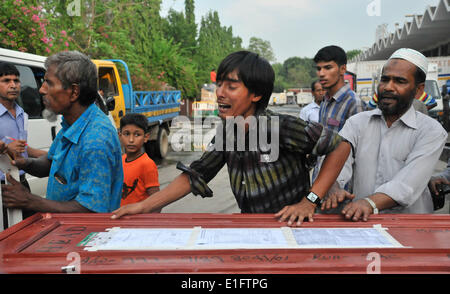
(331, 53)
(313, 85)
(136, 119)
(253, 70)
(7, 69)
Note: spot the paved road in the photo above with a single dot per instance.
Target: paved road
(223, 200)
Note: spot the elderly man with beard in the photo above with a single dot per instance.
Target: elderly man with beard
(394, 148)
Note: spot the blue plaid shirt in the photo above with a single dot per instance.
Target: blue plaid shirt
(334, 111)
(87, 163)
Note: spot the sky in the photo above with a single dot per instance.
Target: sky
(301, 27)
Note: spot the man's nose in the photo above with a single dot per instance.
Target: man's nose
(388, 86)
(41, 90)
(320, 72)
(219, 91)
(14, 84)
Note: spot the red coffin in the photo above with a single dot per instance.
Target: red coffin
(48, 243)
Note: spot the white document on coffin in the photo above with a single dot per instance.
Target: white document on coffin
(14, 215)
(232, 238)
(142, 239)
(376, 237)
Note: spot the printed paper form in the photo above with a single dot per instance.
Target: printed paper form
(242, 238)
(239, 238)
(344, 238)
(140, 239)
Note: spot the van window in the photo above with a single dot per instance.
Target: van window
(431, 87)
(30, 99)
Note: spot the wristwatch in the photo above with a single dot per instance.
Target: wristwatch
(314, 198)
(374, 206)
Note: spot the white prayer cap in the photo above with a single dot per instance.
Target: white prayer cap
(413, 56)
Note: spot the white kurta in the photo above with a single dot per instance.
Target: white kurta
(397, 161)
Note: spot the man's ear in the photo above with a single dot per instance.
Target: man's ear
(75, 92)
(343, 69)
(256, 98)
(419, 90)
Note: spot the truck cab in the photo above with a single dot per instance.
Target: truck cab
(110, 85)
(160, 107)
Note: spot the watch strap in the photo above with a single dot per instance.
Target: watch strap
(374, 206)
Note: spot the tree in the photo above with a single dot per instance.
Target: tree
(191, 26)
(297, 72)
(214, 43)
(24, 27)
(158, 51)
(261, 47)
(280, 83)
(353, 53)
(179, 28)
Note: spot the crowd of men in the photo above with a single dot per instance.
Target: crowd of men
(368, 161)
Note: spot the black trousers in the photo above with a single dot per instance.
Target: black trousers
(25, 213)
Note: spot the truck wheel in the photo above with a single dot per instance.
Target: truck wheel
(158, 149)
(162, 143)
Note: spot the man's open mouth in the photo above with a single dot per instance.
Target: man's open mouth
(223, 106)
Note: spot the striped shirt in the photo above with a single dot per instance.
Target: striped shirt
(335, 110)
(261, 186)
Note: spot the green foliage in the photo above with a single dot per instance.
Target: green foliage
(261, 47)
(160, 52)
(23, 27)
(353, 53)
(172, 66)
(280, 81)
(176, 27)
(214, 43)
(295, 72)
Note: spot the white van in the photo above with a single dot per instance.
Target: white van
(41, 132)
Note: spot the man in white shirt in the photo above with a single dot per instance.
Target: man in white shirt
(311, 111)
(394, 147)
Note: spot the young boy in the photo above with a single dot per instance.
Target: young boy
(140, 172)
(281, 186)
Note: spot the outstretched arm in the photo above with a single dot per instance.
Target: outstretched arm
(177, 189)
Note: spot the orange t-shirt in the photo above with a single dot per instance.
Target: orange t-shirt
(139, 175)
